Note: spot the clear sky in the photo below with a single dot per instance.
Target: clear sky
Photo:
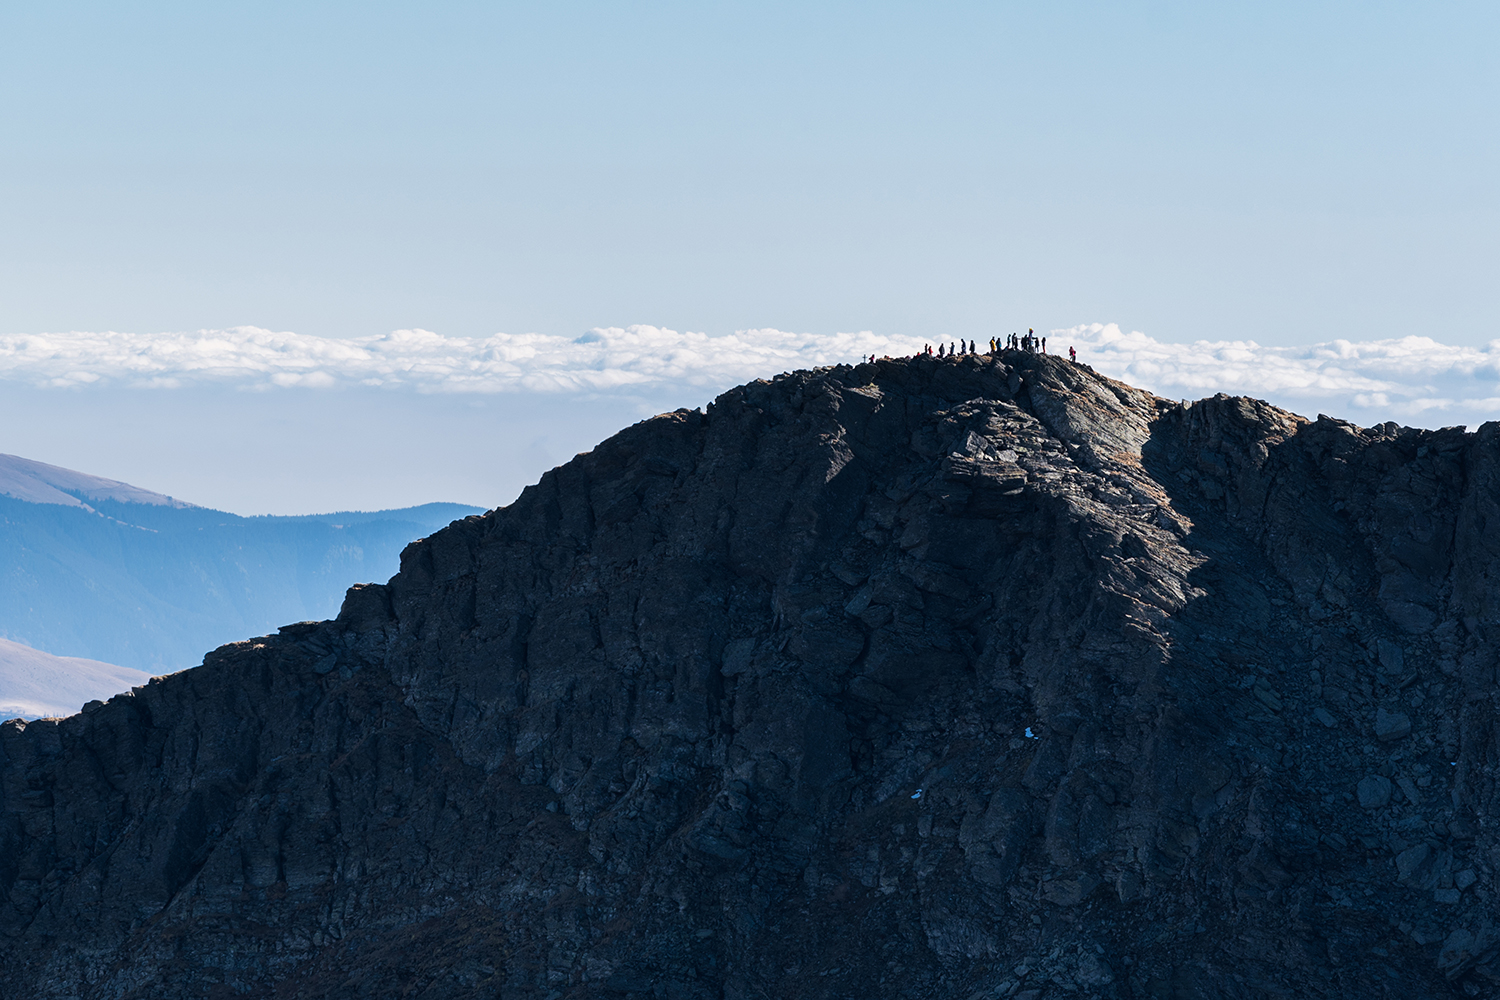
(1289, 173)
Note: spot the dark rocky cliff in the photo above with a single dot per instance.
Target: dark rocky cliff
(1200, 702)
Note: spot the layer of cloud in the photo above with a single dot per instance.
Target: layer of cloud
(602, 360)
(1412, 379)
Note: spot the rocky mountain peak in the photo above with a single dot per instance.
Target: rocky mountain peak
(934, 677)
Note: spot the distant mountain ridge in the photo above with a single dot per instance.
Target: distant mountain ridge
(38, 482)
(34, 684)
(96, 568)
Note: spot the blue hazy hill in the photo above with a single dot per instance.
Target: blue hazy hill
(99, 569)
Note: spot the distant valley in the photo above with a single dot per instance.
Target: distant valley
(100, 569)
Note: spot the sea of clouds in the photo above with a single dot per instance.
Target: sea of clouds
(1414, 380)
(637, 358)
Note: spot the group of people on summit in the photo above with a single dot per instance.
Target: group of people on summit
(1028, 341)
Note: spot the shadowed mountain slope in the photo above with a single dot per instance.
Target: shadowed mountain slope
(949, 677)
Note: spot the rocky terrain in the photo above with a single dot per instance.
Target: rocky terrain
(974, 677)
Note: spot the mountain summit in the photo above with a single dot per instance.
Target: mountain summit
(971, 677)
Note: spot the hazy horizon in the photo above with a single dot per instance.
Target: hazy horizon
(326, 234)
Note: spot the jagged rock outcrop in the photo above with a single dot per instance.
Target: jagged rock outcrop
(955, 678)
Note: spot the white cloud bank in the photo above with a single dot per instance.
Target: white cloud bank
(638, 357)
(1413, 379)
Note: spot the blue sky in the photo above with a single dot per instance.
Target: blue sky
(1285, 173)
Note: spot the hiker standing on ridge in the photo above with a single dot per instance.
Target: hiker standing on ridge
(1072, 354)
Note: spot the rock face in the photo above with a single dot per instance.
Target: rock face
(962, 677)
